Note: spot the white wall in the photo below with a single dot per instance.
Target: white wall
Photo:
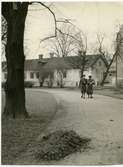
(98, 70)
(35, 80)
(72, 77)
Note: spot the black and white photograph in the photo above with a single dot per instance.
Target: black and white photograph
(62, 83)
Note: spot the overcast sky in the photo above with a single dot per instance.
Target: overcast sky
(90, 17)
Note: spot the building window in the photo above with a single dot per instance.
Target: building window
(64, 74)
(110, 74)
(37, 74)
(5, 75)
(31, 75)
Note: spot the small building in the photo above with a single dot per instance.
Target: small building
(67, 68)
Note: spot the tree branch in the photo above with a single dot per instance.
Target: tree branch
(55, 21)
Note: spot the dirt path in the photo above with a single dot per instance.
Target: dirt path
(99, 119)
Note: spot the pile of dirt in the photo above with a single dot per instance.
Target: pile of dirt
(59, 144)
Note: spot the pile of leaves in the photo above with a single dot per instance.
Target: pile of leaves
(59, 144)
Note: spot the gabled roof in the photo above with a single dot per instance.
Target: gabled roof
(76, 61)
(56, 63)
(31, 65)
(70, 62)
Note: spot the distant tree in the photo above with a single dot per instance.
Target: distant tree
(82, 51)
(100, 48)
(46, 73)
(63, 44)
(54, 65)
(115, 55)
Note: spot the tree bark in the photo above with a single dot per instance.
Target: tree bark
(14, 88)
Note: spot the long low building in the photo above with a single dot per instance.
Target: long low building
(67, 69)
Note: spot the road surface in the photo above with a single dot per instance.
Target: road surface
(100, 119)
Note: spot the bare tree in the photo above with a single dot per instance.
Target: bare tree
(115, 55)
(100, 40)
(63, 44)
(50, 68)
(82, 50)
(77, 44)
(100, 48)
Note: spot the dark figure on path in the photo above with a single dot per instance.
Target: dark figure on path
(90, 84)
(83, 83)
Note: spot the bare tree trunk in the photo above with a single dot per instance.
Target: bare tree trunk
(14, 89)
(83, 63)
(50, 84)
(107, 71)
(61, 78)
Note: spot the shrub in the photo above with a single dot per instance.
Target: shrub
(28, 84)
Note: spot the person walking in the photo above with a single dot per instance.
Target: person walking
(90, 84)
(83, 82)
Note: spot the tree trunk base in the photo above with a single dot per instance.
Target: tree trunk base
(19, 114)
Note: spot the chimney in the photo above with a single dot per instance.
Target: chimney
(40, 56)
(51, 55)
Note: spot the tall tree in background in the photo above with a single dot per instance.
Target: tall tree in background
(115, 55)
(82, 51)
(63, 44)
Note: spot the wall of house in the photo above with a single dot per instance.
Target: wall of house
(72, 77)
(27, 77)
(120, 71)
(32, 76)
(98, 71)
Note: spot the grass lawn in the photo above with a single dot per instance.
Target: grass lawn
(106, 91)
(17, 135)
(112, 92)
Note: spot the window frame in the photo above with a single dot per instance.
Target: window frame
(31, 75)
